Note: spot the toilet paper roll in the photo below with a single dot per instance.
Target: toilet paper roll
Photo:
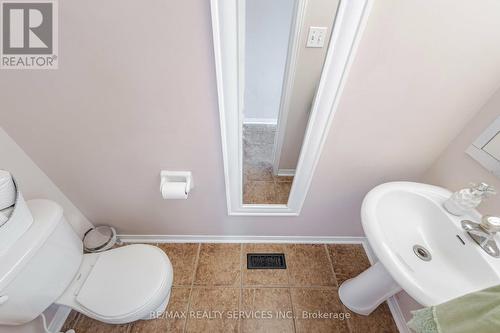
(3, 218)
(7, 190)
(7, 211)
(174, 190)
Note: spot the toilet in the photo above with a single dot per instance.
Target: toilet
(46, 265)
(121, 285)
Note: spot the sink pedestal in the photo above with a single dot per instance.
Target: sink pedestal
(368, 290)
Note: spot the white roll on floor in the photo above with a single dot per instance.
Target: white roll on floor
(7, 190)
(3, 218)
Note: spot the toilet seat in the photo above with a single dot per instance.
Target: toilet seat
(121, 285)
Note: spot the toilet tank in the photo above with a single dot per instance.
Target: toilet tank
(39, 266)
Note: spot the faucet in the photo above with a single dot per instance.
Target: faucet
(484, 233)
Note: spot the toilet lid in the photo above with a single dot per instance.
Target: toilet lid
(123, 280)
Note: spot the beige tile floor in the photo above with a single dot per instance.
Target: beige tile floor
(260, 185)
(214, 277)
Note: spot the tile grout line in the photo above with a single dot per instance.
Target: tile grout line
(293, 309)
(192, 284)
(273, 286)
(331, 265)
(241, 266)
(289, 287)
(348, 322)
(252, 304)
(241, 287)
(286, 251)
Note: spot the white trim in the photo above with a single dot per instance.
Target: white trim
(242, 16)
(286, 172)
(288, 79)
(260, 121)
(216, 35)
(59, 318)
(486, 160)
(477, 152)
(239, 239)
(350, 21)
(397, 314)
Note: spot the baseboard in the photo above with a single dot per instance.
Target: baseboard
(398, 316)
(59, 318)
(239, 239)
(260, 121)
(286, 172)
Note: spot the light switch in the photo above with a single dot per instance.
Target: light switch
(316, 37)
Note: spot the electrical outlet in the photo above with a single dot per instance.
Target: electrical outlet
(316, 37)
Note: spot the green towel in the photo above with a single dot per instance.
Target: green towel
(477, 312)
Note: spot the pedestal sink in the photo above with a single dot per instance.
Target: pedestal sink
(420, 247)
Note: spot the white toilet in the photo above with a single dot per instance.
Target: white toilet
(46, 265)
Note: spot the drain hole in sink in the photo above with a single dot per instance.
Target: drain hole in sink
(422, 252)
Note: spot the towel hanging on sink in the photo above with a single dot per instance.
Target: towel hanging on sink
(475, 312)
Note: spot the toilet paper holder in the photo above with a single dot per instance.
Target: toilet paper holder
(176, 177)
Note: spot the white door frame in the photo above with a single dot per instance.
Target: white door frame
(241, 7)
(288, 80)
(351, 19)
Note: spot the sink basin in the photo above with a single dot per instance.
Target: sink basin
(399, 218)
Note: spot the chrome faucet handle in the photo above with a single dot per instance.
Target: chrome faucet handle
(483, 188)
(490, 224)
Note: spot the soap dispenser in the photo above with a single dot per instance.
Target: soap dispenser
(466, 199)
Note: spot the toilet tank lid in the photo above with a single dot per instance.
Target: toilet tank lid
(46, 216)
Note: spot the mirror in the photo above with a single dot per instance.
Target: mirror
(486, 148)
(493, 147)
(279, 81)
(282, 48)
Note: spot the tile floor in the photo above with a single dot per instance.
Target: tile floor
(214, 277)
(260, 185)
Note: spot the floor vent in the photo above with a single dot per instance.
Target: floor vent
(266, 261)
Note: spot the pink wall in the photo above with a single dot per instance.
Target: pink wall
(455, 169)
(136, 93)
(34, 183)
